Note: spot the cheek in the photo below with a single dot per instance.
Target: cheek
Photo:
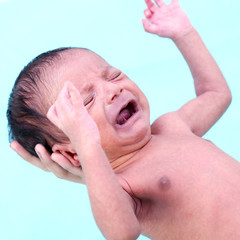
(106, 131)
(140, 96)
(137, 91)
(102, 123)
(143, 101)
(108, 141)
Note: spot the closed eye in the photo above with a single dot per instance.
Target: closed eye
(88, 100)
(115, 75)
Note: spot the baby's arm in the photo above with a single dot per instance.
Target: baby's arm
(213, 94)
(112, 207)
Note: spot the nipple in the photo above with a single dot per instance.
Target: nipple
(164, 183)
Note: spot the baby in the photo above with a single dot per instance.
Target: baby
(161, 180)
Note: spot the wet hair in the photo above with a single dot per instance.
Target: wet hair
(29, 102)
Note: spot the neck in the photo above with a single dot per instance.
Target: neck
(119, 163)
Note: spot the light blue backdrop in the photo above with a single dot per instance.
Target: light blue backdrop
(36, 205)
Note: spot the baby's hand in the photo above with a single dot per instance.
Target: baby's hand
(166, 20)
(69, 114)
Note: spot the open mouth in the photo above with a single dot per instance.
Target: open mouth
(126, 113)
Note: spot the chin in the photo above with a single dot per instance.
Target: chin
(138, 135)
(127, 142)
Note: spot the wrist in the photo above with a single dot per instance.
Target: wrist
(184, 35)
(88, 149)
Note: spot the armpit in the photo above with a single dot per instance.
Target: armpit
(136, 202)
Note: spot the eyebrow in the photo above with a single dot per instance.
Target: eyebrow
(106, 71)
(85, 88)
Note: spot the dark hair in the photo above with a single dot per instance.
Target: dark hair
(26, 114)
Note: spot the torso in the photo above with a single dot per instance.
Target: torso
(184, 186)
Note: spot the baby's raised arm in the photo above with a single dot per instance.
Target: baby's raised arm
(112, 207)
(213, 94)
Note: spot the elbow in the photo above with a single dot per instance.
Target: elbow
(227, 98)
(223, 98)
(129, 236)
(132, 234)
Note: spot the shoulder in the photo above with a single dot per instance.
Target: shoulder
(170, 123)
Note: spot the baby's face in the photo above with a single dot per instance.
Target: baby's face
(115, 103)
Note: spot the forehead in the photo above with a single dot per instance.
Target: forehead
(83, 64)
(79, 67)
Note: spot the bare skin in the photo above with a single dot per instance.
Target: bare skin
(185, 187)
(163, 181)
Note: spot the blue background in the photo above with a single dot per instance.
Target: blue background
(37, 205)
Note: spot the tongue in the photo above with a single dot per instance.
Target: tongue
(123, 116)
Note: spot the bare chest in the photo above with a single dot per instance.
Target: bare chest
(172, 165)
(177, 183)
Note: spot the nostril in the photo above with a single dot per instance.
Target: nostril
(114, 92)
(113, 97)
(117, 94)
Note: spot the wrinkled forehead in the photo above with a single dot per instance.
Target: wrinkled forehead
(79, 67)
(83, 64)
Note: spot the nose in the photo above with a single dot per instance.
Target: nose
(113, 91)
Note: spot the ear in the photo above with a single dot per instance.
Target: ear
(68, 151)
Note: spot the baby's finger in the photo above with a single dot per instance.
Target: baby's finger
(74, 94)
(23, 153)
(151, 6)
(52, 114)
(68, 100)
(63, 100)
(60, 107)
(160, 2)
(151, 28)
(76, 99)
(147, 13)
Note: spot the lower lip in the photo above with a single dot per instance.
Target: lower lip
(130, 121)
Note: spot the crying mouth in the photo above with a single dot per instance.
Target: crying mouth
(126, 113)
